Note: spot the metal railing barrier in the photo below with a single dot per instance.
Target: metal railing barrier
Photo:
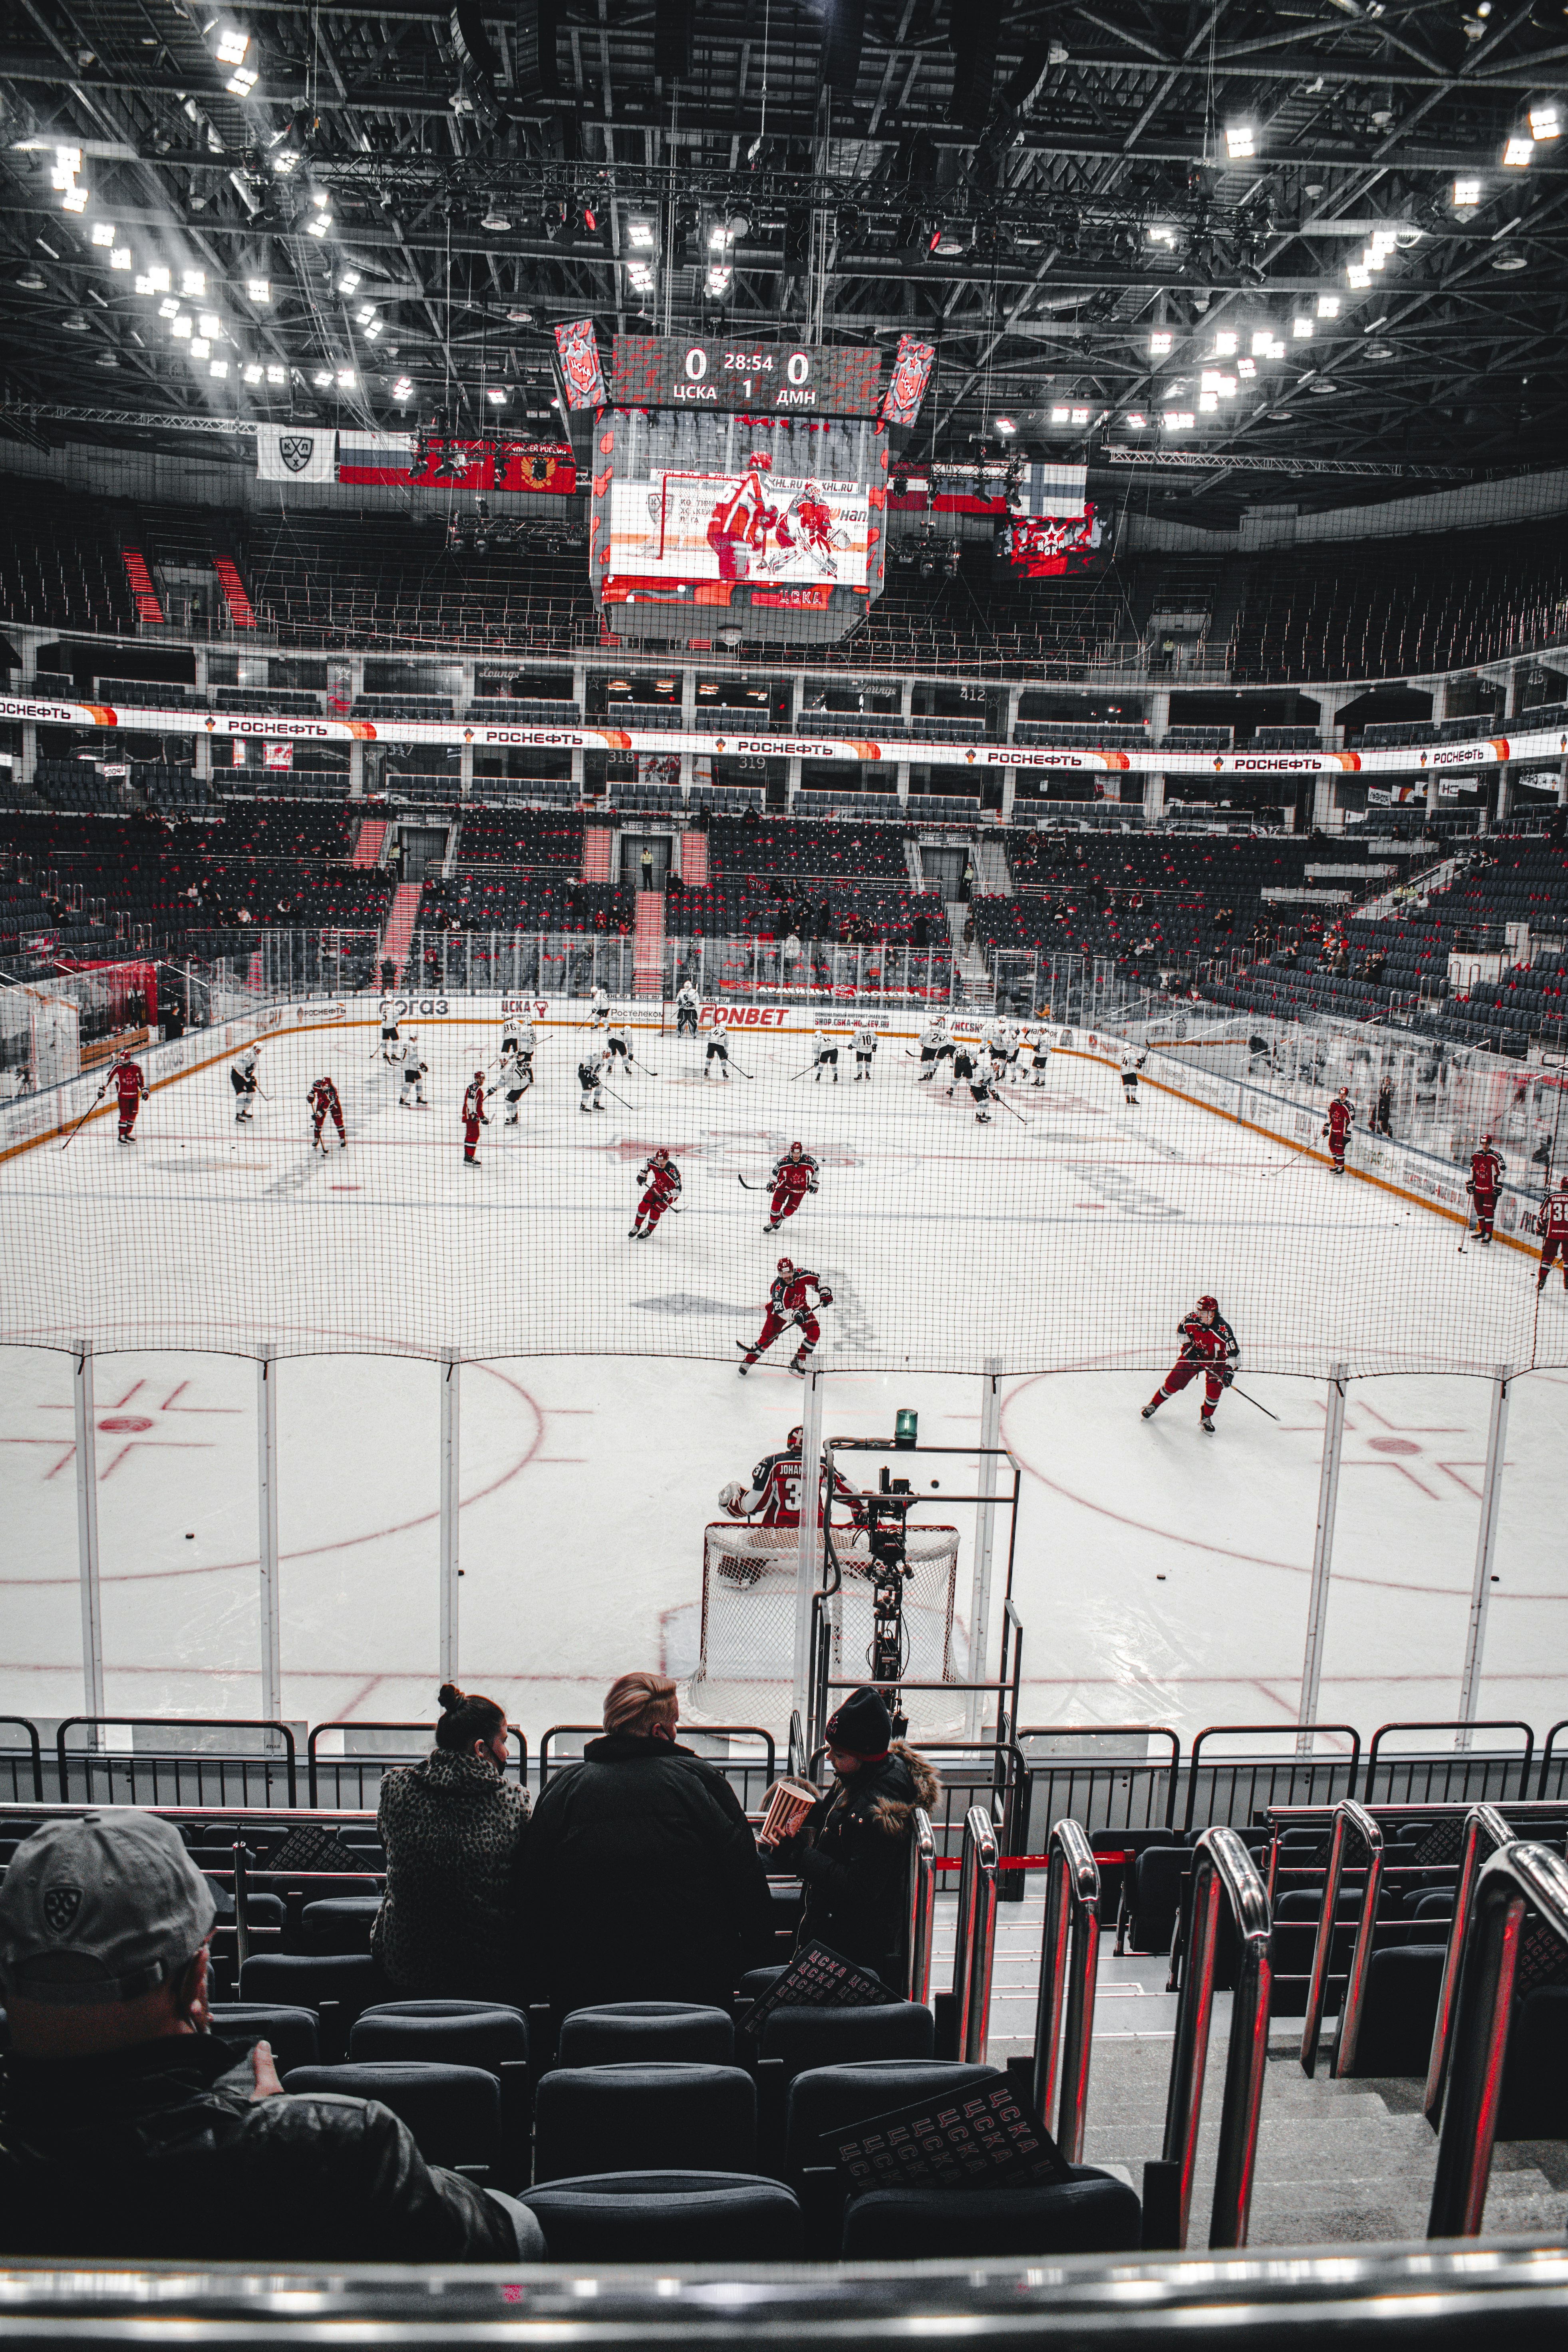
(1480, 1821)
(1348, 1816)
(130, 1763)
(241, 1909)
(1223, 1871)
(35, 1761)
(371, 1762)
(1103, 1773)
(922, 1904)
(1069, 1961)
(1445, 1767)
(974, 1941)
(745, 1767)
(1299, 1764)
(1517, 1878)
(1549, 1756)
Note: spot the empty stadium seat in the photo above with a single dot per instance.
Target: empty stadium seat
(451, 2032)
(453, 2111)
(668, 2217)
(340, 1923)
(618, 2032)
(803, 2038)
(291, 2032)
(609, 2118)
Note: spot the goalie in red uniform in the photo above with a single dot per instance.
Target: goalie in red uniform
(473, 1118)
(794, 1177)
(1551, 1225)
(773, 1499)
(324, 1104)
(1208, 1346)
(128, 1080)
(660, 1173)
(789, 1302)
(1337, 1127)
(1488, 1169)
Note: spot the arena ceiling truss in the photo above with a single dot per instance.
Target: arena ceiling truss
(1283, 240)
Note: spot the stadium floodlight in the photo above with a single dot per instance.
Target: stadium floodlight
(320, 224)
(218, 368)
(322, 379)
(1208, 403)
(285, 161)
(103, 232)
(1226, 344)
(1081, 416)
(1209, 380)
(1516, 152)
(364, 316)
(1358, 274)
(1240, 142)
(258, 289)
(1246, 367)
(372, 333)
(254, 371)
(1160, 343)
(1545, 123)
(169, 308)
(1467, 195)
(348, 281)
(1179, 420)
(241, 82)
(211, 324)
(120, 258)
(641, 276)
(717, 281)
(1136, 420)
(1262, 343)
(158, 279)
(276, 374)
(143, 285)
(1227, 387)
(232, 45)
(641, 235)
(201, 348)
(1060, 416)
(1300, 327)
(67, 163)
(403, 389)
(194, 282)
(1004, 424)
(1158, 233)
(1328, 306)
(183, 327)
(496, 396)
(76, 200)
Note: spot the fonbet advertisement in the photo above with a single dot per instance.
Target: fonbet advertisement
(765, 530)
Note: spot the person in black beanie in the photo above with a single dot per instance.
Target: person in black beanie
(852, 1852)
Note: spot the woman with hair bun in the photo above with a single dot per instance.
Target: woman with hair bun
(452, 1828)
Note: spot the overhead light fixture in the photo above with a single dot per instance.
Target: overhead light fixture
(496, 396)
(1328, 306)
(1509, 260)
(363, 317)
(201, 348)
(322, 379)
(182, 328)
(241, 82)
(258, 289)
(1246, 368)
(1160, 343)
(218, 368)
(1179, 420)
(276, 374)
(640, 276)
(496, 218)
(75, 324)
(285, 161)
(120, 258)
(345, 379)
(103, 232)
(1467, 195)
(1159, 233)
(1300, 328)
(1240, 142)
(1136, 420)
(348, 281)
(1060, 415)
(403, 389)
(158, 279)
(717, 281)
(1262, 343)
(641, 235)
(373, 330)
(76, 200)
(169, 308)
(211, 324)
(320, 224)
(1358, 274)
(1545, 123)
(1208, 402)
(194, 283)
(232, 45)
(1516, 154)
(31, 282)
(1006, 424)
(254, 371)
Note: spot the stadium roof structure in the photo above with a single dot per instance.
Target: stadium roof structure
(1247, 252)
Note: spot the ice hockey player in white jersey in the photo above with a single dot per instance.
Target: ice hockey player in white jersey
(516, 1074)
(934, 1037)
(242, 1077)
(1132, 1062)
(824, 1054)
(413, 1068)
(588, 1079)
(618, 1045)
(686, 1007)
(997, 1038)
(865, 1046)
(599, 1012)
(1042, 1045)
(391, 1049)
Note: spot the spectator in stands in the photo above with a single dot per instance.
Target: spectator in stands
(129, 2130)
(1383, 1116)
(451, 1828)
(791, 953)
(852, 1853)
(641, 1879)
(645, 867)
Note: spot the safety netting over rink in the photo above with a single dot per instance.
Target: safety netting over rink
(1064, 1221)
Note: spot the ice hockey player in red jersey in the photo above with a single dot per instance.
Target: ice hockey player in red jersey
(1208, 1345)
(794, 1177)
(128, 1080)
(324, 1104)
(473, 1118)
(789, 1302)
(660, 1173)
(1551, 1225)
(1337, 1127)
(1488, 1169)
(772, 1499)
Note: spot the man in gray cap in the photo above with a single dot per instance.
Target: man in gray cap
(128, 2129)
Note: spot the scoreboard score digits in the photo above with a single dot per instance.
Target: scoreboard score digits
(774, 379)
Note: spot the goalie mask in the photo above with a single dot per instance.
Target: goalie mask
(792, 1442)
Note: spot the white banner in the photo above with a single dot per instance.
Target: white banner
(294, 452)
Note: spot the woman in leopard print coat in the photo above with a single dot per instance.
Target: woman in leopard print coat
(451, 1828)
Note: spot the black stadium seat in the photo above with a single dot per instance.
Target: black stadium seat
(668, 2217)
(453, 2111)
(610, 2118)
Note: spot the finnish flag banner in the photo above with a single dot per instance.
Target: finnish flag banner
(296, 453)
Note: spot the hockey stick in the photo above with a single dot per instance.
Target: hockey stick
(1288, 1162)
(85, 1117)
(1469, 1228)
(1003, 1104)
(1251, 1399)
(614, 1096)
(747, 1186)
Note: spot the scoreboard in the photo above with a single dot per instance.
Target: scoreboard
(757, 378)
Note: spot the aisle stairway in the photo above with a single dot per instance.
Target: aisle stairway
(993, 877)
(647, 945)
(369, 841)
(973, 988)
(402, 918)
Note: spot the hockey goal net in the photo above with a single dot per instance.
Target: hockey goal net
(748, 1622)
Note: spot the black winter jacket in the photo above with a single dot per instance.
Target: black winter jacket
(160, 2153)
(641, 1880)
(853, 1856)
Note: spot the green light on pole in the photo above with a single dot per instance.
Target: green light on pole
(905, 1428)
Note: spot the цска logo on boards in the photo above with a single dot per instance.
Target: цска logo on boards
(296, 450)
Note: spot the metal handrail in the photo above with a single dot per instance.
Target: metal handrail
(1518, 1877)
(241, 1908)
(702, 1730)
(1546, 1754)
(1069, 1963)
(34, 1751)
(922, 1904)
(1348, 1815)
(1105, 1730)
(1481, 1820)
(391, 1762)
(1296, 1760)
(1222, 1869)
(974, 1941)
(1490, 1723)
(113, 1758)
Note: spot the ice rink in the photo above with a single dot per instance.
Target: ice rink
(1162, 1575)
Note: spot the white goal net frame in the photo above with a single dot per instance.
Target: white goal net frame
(747, 1639)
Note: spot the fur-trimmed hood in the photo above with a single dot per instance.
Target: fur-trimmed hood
(889, 1791)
